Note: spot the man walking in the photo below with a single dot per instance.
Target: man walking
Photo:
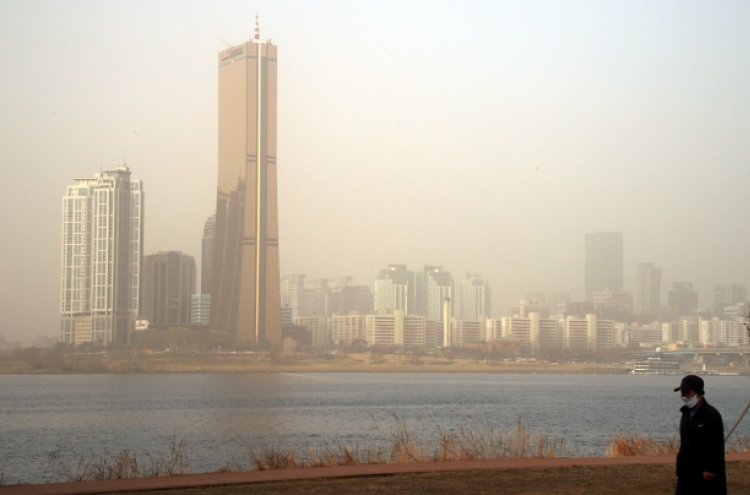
(700, 461)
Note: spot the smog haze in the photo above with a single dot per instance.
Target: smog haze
(484, 137)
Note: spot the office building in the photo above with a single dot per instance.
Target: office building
(475, 298)
(200, 309)
(647, 288)
(729, 294)
(604, 265)
(102, 248)
(246, 283)
(682, 299)
(207, 254)
(167, 282)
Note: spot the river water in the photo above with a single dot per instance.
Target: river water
(219, 412)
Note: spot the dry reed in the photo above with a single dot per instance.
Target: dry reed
(467, 442)
(164, 462)
(633, 444)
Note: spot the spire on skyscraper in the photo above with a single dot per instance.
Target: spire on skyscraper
(257, 27)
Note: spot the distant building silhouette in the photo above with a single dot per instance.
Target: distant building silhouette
(683, 300)
(167, 284)
(475, 298)
(604, 262)
(647, 288)
(729, 294)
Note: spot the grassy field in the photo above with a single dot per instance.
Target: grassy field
(638, 479)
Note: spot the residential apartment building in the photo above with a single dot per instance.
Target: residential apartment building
(394, 290)
(319, 328)
(102, 249)
(476, 301)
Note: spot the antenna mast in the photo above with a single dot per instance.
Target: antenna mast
(257, 26)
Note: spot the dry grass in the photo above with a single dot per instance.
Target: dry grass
(627, 444)
(633, 444)
(164, 462)
(469, 441)
(738, 443)
(3, 474)
(400, 445)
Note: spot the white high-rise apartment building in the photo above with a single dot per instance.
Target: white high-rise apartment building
(437, 286)
(102, 248)
(475, 298)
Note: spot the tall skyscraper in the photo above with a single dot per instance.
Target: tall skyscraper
(167, 283)
(102, 247)
(475, 298)
(604, 268)
(647, 288)
(207, 254)
(245, 297)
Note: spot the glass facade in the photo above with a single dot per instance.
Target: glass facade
(245, 280)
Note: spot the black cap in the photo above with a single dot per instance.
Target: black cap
(691, 382)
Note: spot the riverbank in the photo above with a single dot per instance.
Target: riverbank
(131, 362)
(60, 361)
(571, 476)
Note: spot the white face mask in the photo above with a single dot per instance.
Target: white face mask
(691, 402)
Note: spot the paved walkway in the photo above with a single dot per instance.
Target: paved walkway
(197, 480)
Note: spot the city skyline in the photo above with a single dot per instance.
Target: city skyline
(636, 128)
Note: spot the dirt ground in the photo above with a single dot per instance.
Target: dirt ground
(639, 479)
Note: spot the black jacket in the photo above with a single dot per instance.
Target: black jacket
(701, 446)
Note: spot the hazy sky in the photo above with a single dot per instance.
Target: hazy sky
(482, 136)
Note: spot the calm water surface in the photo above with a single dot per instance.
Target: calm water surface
(95, 414)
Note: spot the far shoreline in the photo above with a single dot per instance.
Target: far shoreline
(131, 362)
